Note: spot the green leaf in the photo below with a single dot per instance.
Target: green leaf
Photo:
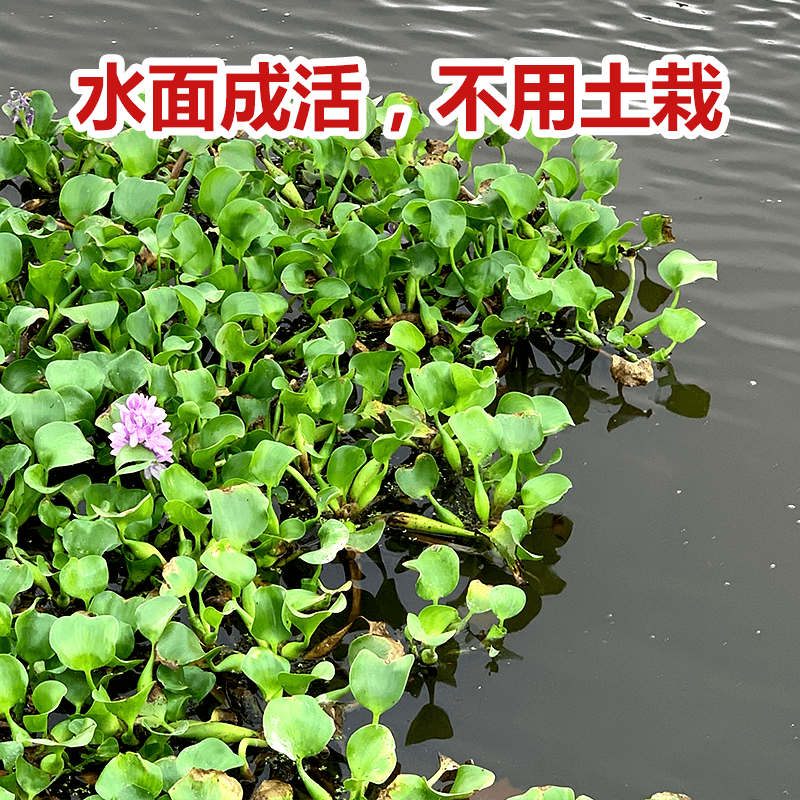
(32, 629)
(127, 372)
(506, 601)
(371, 754)
(477, 431)
(657, 230)
(564, 175)
(12, 159)
(180, 576)
(296, 726)
(84, 577)
(137, 150)
(98, 316)
(448, 223)
(520, 433)
(153, 615)
(14, 578)
(434, 625)
(231, 343)
(269, 622)
(13, 457)
(679, 324)
(86, 537)
(587, 150)
(263, 667)
(61, 444)
(333, 536)
(520, 192)
(542, 491)
(239, 513)
(199, 784)
(679, 268)
(178, 645)
(554, 414)
(216, 434)
(208, 754)
(136, 199)
(82, 195)
(378, 684)
(575, 288)
(13, 683)
(240, 222)
(84, 643)
(440, 181)
(270, 461)
(418, 481)
(438, 568)
(228, 563)
(177, 483)
(218, 187)
(10, 255)
(129, 777)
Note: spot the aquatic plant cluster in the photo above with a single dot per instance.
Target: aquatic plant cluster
(230, 366)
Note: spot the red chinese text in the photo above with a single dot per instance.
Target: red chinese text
(204, 97)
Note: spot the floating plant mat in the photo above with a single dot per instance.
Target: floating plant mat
(229, 364)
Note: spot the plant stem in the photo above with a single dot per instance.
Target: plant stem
(626, 301)
(416, 522)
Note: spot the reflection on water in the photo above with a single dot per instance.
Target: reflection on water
(680, 505)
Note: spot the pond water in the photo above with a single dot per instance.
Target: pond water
(668, 659)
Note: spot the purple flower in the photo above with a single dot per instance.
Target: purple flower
(143, 423)
(20, 106)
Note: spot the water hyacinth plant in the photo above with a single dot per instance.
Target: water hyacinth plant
(234, 372)
(19, 109)
(142, 424)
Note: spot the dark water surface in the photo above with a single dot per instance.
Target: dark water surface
(670, 659)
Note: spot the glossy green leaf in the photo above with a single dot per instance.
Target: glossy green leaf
(128, 776)
(477, 431)
(208, 754)
(82, 195)
(333, 536)
(679, 268)
(98, 316)
(270, 461)
(32, 629)
(14, 578)
(377, 684)
(84, 643)
(228, 563)
(434, 625)
(13, 682)
(10, 255)
(263, 667)
(679, 324)
(178, 645)
(84, 577)
(216, 434)
(269, 622)
(137, 150)
(438, 568)
(61, 444)
(520, 193)
(153, 615)
(240, 222)
(448, 223)
(137, 199)
(506, 601)
(296, 726)
(418, 481)
(371, 754)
